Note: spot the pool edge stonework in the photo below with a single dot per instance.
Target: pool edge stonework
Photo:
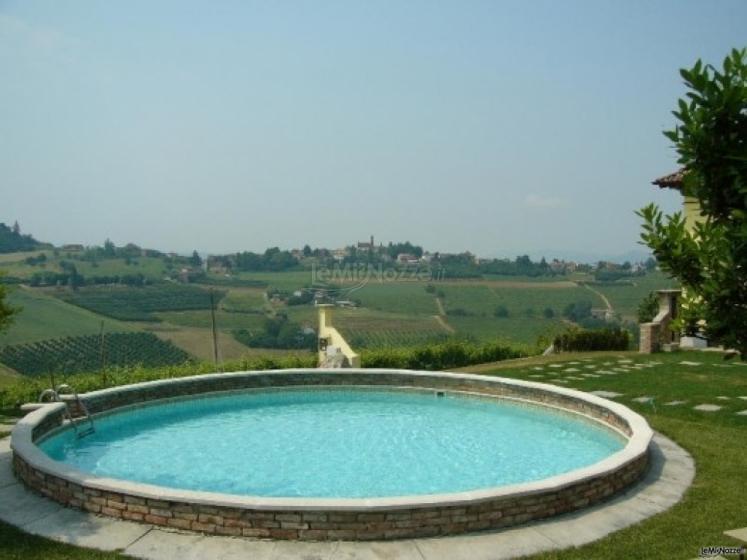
(334, 519)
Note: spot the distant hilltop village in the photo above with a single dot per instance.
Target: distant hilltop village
(191, 268)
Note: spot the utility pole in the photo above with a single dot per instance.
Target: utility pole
(102, 356)
(215, 332)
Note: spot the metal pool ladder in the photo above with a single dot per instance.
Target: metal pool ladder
(65, 389)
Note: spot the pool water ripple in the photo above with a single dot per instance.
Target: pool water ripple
(354, 443)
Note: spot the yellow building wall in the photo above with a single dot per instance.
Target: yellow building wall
(691, 209)
(334, 338)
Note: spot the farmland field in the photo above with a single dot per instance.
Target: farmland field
(243, 300)
(139, 304)
(479, 300)
(199, 343)
(391, 313)
(397, 297)
(366, 329)
(287, 281)
(625, 298)
(43, 316)
(6, 258)
(14, 265)
(202, 319)
(516, 330)
(151, 267)
(84, 353)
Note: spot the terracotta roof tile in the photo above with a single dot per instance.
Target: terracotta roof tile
(671, 181)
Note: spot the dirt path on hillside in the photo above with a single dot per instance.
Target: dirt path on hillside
(558, 285)
(440, 306)
(446, 326)
(601, 295)
(440, 318)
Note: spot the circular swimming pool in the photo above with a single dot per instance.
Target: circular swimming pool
(334, 454)
(336, 443)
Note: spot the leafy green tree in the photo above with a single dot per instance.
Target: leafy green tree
(577, 311)
(501, 312)
(6, 311)
(195, 259)
(109, 249)
(711, 261)
(648, 308)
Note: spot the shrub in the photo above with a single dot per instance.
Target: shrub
(501, 311)
(548, 313)
(446, 355)
(580, 340)
(29, 388)
(648, 308)
(577, 311)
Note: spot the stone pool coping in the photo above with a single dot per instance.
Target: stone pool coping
(670, 474)
(326, 518)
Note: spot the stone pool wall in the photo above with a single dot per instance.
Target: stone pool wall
(326, 519)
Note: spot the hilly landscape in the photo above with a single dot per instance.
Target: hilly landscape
(83, 309)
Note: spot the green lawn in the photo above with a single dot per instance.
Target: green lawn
(17, 545)
(715, 501)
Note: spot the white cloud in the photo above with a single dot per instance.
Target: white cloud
(38, 39)
(540, 201)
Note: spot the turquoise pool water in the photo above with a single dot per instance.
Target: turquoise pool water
(335, 443)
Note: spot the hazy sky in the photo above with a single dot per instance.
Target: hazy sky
(499, 127)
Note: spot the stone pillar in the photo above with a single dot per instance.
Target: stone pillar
(650, 338)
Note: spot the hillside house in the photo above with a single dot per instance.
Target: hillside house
(340, 254)
(407, 258)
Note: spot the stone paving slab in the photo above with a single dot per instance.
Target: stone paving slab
(81, 529)
(674, 403)
(23, 506)
(671, 472)
(157, 544)
(644, 399)
(606, 394)
(377, 551)
(739, 534)
(707, 407)
(505, 544)
(742, 413)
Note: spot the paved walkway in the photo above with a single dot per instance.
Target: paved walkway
(671, 473)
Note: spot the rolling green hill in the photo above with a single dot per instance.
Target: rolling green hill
(43, 316)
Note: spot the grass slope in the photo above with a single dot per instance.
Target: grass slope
(716, 441)
(43, 316)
